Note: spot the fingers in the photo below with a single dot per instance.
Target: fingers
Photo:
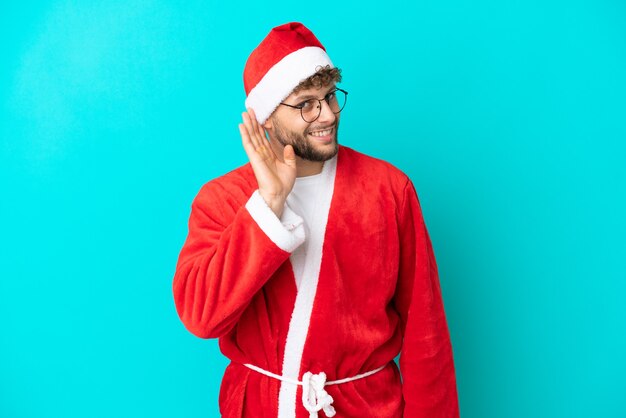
(255, 130)
(259, 154)
(253, 138)
(252, 133)
(255, 123)
(245, 139)
(258, 126)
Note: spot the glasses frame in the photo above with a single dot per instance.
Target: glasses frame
(325, 98)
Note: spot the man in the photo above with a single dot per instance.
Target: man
(312, 263)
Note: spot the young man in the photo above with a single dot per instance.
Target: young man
(312, 263)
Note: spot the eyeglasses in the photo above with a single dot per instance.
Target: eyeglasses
(311, 109)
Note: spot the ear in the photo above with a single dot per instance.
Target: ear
(268, 124)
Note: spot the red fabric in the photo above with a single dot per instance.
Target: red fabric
(280, 42)
(378, 293)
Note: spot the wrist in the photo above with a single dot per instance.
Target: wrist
(275, 203)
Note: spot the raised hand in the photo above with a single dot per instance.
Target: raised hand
(275, 177)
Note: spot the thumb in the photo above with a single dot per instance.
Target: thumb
(289, 156)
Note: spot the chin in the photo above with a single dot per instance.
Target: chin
(305, 146)
(320, 152)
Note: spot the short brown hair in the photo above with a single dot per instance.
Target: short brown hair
(323, 77)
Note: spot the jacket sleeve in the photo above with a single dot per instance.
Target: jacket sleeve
(230, 253)
(426, 360)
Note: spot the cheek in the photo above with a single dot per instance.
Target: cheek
(295, 127)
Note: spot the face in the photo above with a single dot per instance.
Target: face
(315, 141)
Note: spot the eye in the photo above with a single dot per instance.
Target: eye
(331, 95)
(308, 105)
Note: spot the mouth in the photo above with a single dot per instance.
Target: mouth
(323, 135)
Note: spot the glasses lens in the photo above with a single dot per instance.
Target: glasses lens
(336, 100)
(311, 110)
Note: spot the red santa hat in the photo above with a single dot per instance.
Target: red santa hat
(289, 54)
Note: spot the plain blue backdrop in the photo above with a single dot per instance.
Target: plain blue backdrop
(509, 117)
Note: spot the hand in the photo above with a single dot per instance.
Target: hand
(275, 177)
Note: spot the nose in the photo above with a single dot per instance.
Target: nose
(326, 114)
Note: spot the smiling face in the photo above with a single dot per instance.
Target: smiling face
(315, 141)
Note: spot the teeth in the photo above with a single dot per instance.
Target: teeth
(322, 133)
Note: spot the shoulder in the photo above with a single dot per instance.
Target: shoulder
(374, 170)
(233, 188)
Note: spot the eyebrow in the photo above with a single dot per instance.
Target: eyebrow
(311, 96)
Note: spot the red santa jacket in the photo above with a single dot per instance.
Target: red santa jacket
(368, 290)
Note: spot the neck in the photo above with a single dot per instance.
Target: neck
(308, 168)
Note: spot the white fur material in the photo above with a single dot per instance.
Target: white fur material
(287, 232)
(301, 315)
(282, 78)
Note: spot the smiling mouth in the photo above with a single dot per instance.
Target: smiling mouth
(320, 133)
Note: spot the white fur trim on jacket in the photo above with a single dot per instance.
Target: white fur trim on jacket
(287, 232)
(301, 315)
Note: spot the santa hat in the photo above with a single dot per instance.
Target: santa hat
(289, 54)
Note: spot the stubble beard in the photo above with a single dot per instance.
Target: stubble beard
(304, 147)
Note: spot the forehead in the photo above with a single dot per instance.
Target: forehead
(312, 92)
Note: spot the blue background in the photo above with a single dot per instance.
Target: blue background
(508, 116)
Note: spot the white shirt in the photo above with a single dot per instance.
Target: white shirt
(304, 199)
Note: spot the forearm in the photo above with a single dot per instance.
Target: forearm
(220, 269)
